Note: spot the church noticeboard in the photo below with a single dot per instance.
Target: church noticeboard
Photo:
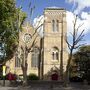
(4, 69)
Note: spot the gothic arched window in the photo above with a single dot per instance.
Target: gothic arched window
(53, 25)
(17, 61)
(35, 58)
(55, 53)
(57, 25)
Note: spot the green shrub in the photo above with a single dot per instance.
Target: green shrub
(32, 77)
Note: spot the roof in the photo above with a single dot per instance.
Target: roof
(54, 8)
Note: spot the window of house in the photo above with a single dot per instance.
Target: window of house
(55, 54)
(35, 58)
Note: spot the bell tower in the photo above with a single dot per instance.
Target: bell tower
(54, 45)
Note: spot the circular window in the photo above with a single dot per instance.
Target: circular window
(27, 38)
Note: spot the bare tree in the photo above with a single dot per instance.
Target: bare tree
(76, 38)
(25, 49)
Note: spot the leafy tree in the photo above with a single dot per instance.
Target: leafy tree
(85, 48)
(82, 59)
(10, 23)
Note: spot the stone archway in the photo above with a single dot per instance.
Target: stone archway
(53, 71)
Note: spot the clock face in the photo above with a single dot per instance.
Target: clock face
(27, 38)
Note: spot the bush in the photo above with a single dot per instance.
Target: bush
(32, 77)
(11, 76)
(3, 77)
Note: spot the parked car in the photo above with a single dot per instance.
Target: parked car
(76, 79)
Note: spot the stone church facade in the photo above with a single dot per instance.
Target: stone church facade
(49, 52)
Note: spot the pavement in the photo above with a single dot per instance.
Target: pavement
(47, 86)
(43, 88)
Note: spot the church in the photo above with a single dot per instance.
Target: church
(48, 53)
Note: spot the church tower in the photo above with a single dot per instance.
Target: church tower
(54, 45)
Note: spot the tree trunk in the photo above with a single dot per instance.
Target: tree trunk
(66, 81)
(24, 77)
(24, 69)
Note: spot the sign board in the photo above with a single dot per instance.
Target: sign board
(4, 70)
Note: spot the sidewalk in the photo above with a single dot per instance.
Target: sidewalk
(8, 88)
(47, 86)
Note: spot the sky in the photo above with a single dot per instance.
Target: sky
(73, 7)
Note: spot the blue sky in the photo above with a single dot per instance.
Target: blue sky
(82, 8)
(41, 4)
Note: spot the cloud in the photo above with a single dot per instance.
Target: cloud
(85, 21)
(70, 18)
(38, 21)
(79, 5)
